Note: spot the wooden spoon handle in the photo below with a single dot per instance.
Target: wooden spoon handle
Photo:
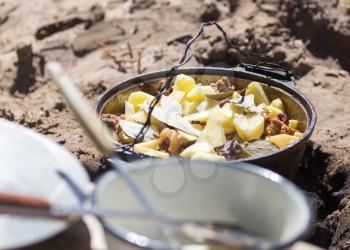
(87, 117)
(23, 200)
(26, 206)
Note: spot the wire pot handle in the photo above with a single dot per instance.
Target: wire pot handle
(258, 67)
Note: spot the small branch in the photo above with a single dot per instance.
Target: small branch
(138, 65)
(130, 50)
(106, 52)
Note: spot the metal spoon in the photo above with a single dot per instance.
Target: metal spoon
(200, 231)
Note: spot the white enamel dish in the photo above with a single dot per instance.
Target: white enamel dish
(28, 164)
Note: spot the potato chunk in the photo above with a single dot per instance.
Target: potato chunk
(198, 117)
(249, 126)
(129, 109)
(139, 117)
(293, 124)
(225, 115)
(274, 112)
(278, 103)
(139, 97)
(207, 157)
(184, 83)
(207, 104)
(257, 90)
(213, 133)
(177, 95)
(281, 140)
(189, 107)
(197, 147)
(153, 144)
(199, 93)
(298, 134)
(152, 152)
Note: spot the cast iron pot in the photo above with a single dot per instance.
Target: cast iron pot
(298, 106)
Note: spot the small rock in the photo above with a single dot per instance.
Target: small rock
(180, 38)
(233, 4)
(60, 106)
(7, 114)
(268, 8)
(218, 52)
(302, 68)
(25, 78)
(325, 85)
(332, 74)
(279, 55)
(342, 73)
(298, 43)
(105, 32)
(141, 5)
(210, 12)
(158, 55)
(61, 141)
(316, 83)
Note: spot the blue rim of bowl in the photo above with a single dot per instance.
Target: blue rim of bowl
(260, 172)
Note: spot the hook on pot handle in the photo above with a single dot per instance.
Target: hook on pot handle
(270, 70)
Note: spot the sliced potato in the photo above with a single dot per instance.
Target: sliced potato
(139, 97)
(151, 152)
(184, 83)
(207, 104)
(298, 134)
(139, 117)
(177, 95)
(293, 124)
(207, 157)
(236, 95)
(198, 126)
(257, 90)
(199, 93)
(148, 144)
(278, 103)
(123, 138)
(249, 126)
(197, 147)
(189, 107)
(187, 136)
(129, 109)
(199, 116)
(281, 140)
(213, 133)
(233, 107)
(273, 110)
(226, 115)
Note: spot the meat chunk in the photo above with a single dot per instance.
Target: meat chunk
(222, 85)
(230, 150)
(112, 121)
(277, 125)
(172, 142)
(283, 118)
(223, 102)
(160, 85)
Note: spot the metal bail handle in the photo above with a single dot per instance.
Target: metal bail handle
(270, 70)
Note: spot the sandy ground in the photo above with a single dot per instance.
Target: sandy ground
(103, 42)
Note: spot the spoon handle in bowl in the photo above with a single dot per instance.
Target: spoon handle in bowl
(23, 205)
